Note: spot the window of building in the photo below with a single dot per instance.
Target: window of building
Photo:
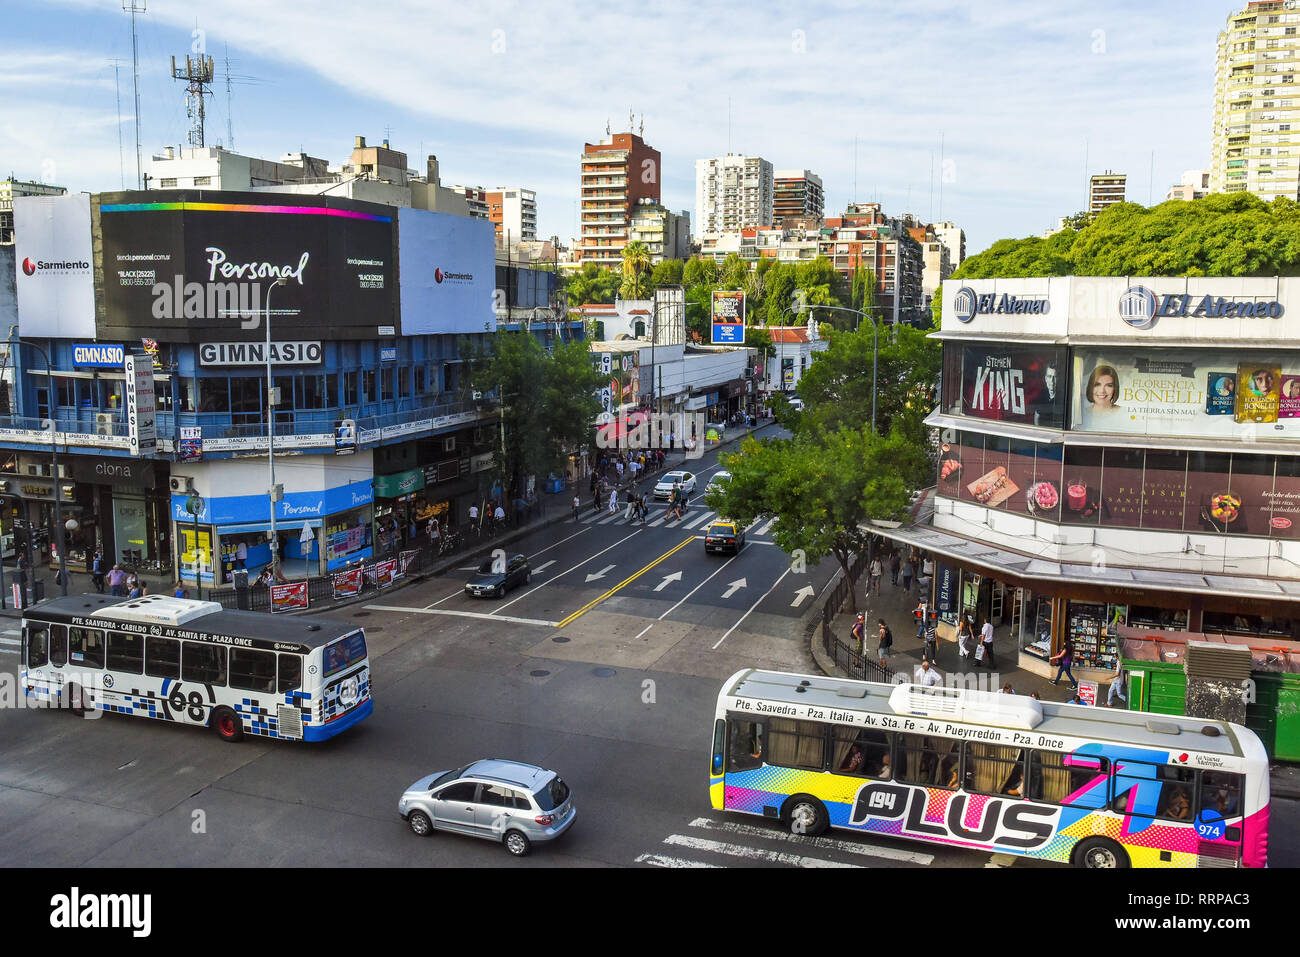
(368, 383)
(214, 395)
(167, 182)
(386, 383)
(420, 373)
(403, 381)
(350, 395)
(246, 400)
(203, 181)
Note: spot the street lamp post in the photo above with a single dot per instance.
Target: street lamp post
(54, 452)
(875, 350)
(270, 438)
(194, 505)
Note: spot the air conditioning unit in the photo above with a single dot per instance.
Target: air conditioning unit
(180, 483)
(103, 423)
(449, 444)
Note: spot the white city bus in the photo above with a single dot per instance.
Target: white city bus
(1091, 786)
(173, 659)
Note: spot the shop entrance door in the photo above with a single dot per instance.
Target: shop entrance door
(130, 527)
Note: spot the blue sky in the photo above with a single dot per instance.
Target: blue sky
(506, 93)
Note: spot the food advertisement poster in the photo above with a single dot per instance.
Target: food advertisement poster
(1185, 392)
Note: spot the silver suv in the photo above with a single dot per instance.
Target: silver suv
(505, 801)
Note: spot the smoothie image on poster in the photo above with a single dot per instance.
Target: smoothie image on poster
(1258, 392)
(1289, 404)
(1221, 393)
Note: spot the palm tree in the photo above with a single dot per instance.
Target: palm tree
(636, 263)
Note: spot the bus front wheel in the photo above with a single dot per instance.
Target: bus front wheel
(1100, 852)
(806, 815)
(227, 725)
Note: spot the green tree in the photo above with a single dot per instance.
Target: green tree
(667, 273)
(636, 268)
(591, 284)
(820, 486)
(547, 400)
(756, 337)
(734, 272)
(700, 272)
(781, 285)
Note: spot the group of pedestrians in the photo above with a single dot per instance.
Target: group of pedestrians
(903, 570)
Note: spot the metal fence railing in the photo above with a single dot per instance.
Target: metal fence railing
(843, 650)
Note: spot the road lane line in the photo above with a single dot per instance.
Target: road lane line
(766, 526)
(461, 614)
(658, 860)
(697, 521)
(752, 853)
(644, 630)
(720, 568)
(559, 543)
(751, 608)
(554, 578)
(828, 843)
(591, 604)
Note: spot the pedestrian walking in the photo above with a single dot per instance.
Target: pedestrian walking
(116, 581)
(631, 505)
(1117, 690)
(859, 631)
(921, 613)
(931, 652)
(965, 641)
(577, 504)
(241, 555)
(985, 650)
(894, 563)
(97, 572)
(435, 533)
(499, 517)
(613, 502)
(907, 578)
(886, 641)
(875, 575)
(473, 517)
(1066, 657)
(178, 591)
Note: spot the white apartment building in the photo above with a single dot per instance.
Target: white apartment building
(517, 215)
(954, 240)
(733, 192)
(1254, 144)
(666, 234)
(1194, 185)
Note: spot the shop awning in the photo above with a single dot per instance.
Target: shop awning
(1011, 430)
(1176, 443)
(999, 560)
(283, 525)
(1012, 337)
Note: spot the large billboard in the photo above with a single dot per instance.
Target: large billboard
(54, 271)
(728, 320)
(447, 266)
(1251, 395)
(200, 266)
(1014, 384)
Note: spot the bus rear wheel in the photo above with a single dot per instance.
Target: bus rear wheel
(806, 815)
(227, 725)
(1100, 853)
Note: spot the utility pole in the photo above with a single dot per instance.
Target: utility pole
(130, 7)
(230, 123)
(121, 159)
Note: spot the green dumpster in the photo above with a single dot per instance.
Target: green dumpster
(1156, 679)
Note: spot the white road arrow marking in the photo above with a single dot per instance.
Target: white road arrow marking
(734, 587)
(545, 565)
(803, 593)
(674, 577)
(601, 573)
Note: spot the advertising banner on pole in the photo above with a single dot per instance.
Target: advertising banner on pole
(55, 280)
(142, 434)
(288, 597)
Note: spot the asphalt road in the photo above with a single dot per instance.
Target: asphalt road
(605, 667)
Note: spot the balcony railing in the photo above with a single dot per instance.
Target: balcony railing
(88, 428)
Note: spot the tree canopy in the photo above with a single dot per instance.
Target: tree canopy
(1224, 234)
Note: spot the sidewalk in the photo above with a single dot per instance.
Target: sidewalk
(896, 606)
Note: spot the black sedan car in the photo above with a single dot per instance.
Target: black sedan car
(496, 576)
(724, 537)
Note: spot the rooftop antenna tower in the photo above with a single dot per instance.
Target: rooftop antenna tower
(198, 76)
(230, 124)
(130, 7)
(121, 159)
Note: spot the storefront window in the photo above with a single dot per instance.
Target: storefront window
(1036, 625)
(1227, 623)
(1093, 630)
(1121, 486)
(1160, 619)
(1250, 497)
(1082, 480)
(246, 400)
(214, 395)
(1210, 505)
(971, 478)
(1020, 471)
(346, 535)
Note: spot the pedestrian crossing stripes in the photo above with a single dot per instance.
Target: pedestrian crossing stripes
(691, 520)
(723, 839)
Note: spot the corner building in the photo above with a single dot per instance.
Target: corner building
(1115, 454)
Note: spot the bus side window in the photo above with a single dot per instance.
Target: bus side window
(744, 744)
(58, 645)
(86, 647)
(162, 658)
(205, 664)
(125, 652)
(796, 744)
(38, 646)
(1177, 788)
(996, 769)
(252, 670)
(1221, 793)
(926, 760)
(290, 673)
(1051, 780)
